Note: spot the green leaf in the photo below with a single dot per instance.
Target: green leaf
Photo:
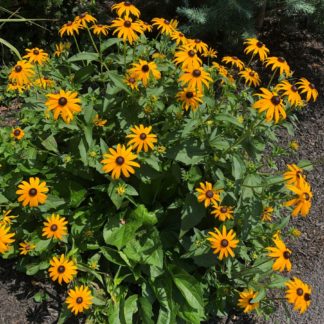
(113, 195)
(109, 42)
(261, 294)
(129, 309)
(50, 144)
(145, 309)
(86, 268)
(84, 56)
(118, 81)
(277, 281)
(84, 74)
(238, 167)
(112, 255)
(42, 245)
(142, 215)
(11, 47)
(228, 119)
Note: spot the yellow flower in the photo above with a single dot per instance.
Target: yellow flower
(36, 55)
(233, 61)
(298, 293)
(256, 47)
(44, 83)
(70, 28)
(59, 49)
(295, 232)
(267, 214)
(222, 71)
(211, 53)
(119, 161)
(6, 218)
(196, 78)
(145, 26)
(32, 193)
(250, 77)
(302, 200)
(158, 55)
(222, 212)
(21, 73)
(55, 226)
(208, 194)
(16, 87)
(278, 63)
(179, 38)
(144, 71)
(79, 299)
(121, 189)
(222, 242)
(187, 57)
(100, 29)
(294, 145)
(245, 300)
(272, 104)
(198, 45)
(84, 19)
(190, 98)
(99, 122)
(294, 175)
(308, 88)
(291, 92)
(62, 269)
(17, 133)
(174, 23)
(131, 81)
(282, 255)
(125, 8)
(26, 247)
(64, 104)
(163, 25)
(5, 238)
(127, 29)
(142, 139)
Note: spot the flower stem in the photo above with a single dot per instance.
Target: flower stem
(274, 72)
(92, 40)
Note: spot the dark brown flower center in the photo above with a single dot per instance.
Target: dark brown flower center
(259, 44)
(127, 3)
(287, 255)
(27, 247)
(99, 25)
(294, 88)
(69, 23)
(307, 297)
(36, 52)
(83, 15)
(62, 101)
(299, 174)
(181, 35)
(224, 243)
(189, 95)
(209, 194)
(191, 53)
(251, 74)
(196, 73)
(120, 160)
(235, 58)
(131, 80)
(223, 210)
(275, 100)
(197, 41)
(60, 269)
(307, 196)
(17, 132)
(54, 228)
(143, 136)
(18, 68)
(79, 300)
(281, 59)
(145, 68)
(167, 22)
(32, 192)
(312, 86)
(300, 292)
(127, 24)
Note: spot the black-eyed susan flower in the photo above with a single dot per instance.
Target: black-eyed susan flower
(26, 247)
(21, 73)
(16, 87)
(211, 53)
(62, 269)
(291, 92)
(250, 77)
(278, 63)
(59, 49)
(55, 227)
(179, 38)
(245, 300)
(223, 72)
(198, 45)
(163, 25)
(281, 254)
(6, 238)
(309, 88)
(85, 18)
(272, 104)
(121, 189)
(267, 214)
(174, 23)
(17, 133)
(125, 8)
(190, 98)
(99, 121)
(119, 161)
(187, 57)
(126, 29)
(159, 56)
(196, 78)
(233, 61)
(298, 293)
(142, 139)
(36, 55)
(71, 28)
(208, 194)
(32, 193)
(223, 243)
(294, 175)
(64, 104)
(100, 29)
(7, 219)
(222, 212)
(44, 83)
(145, 26)
(144, 71)
(79, 299)
(131, 81)
(303, 199)
(256, 47)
